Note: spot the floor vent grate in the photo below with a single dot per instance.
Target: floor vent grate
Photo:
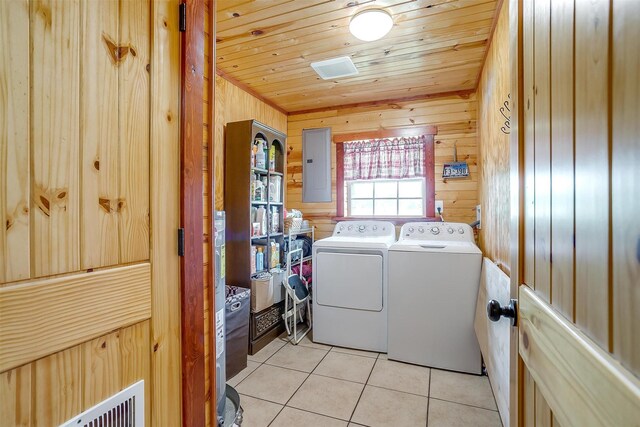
(123, 409)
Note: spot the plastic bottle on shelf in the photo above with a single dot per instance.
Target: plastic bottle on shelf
(272, 157)
(259, 260)
(254, 253)
(275, 219)
(261, 217)
(260, 156)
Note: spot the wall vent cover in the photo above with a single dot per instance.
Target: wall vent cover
(123, 409)
(335, 68)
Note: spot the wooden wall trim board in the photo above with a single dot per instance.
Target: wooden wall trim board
(191, 186)
(211, 393)
(49, 315)
(557, 353)
(465, 94)
(165, 380)
(249, 90)
(516, 198)
(386, 133)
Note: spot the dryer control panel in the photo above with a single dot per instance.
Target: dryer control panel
(440, 231)
(364, 229)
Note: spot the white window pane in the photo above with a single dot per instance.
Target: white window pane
(386, 207)
(412, 188)
(385, 189)
(411, 207)
(361, 207)
(361, 190)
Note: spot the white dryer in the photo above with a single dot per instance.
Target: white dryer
(350, 285)
(434, 276)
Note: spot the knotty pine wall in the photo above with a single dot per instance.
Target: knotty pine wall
(455, 117)
(493, 147)
(231, 104)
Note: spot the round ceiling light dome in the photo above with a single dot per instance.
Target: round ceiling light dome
(370, 24)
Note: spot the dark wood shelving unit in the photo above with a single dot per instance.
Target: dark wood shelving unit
(239, 139)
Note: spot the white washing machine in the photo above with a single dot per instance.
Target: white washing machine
(350, 285)
(434, 276)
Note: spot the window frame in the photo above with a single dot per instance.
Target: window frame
(429, 162)
(397, 199)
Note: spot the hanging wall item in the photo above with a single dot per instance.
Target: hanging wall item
(505, 110)
(455, 169)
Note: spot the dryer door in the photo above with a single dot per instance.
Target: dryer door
(351, 281)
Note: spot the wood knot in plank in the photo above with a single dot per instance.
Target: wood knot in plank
(117, 53)
(525, 340)
(9, 223)
(111, 206)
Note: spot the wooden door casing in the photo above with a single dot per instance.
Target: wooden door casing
(89, 157)
(579, 126)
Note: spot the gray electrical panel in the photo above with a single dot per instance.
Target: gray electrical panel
(316, 165)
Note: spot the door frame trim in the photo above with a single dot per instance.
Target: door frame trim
(191, 216)
(516, 153)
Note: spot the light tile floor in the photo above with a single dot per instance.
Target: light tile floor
(315, 385)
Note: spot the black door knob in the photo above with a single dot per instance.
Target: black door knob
(495, 311)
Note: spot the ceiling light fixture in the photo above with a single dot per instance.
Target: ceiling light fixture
(370, 24)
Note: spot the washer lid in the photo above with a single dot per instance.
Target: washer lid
(435, 246)
(380, 242)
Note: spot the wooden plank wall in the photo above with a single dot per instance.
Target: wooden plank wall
(493, 147)
(581, 126)
(231, 104)
(455, 117)
(88, 156)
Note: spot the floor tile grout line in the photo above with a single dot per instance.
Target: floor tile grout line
(463, 404)
(294, 393)
(363, 388)
(429, 395)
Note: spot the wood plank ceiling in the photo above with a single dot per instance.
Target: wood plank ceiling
(435, 46)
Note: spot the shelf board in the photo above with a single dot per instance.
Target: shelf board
(258, 170)
(276, 173)
(301, 231)
(258, 202)
(264, 236)
(276, 203)
(275, 234)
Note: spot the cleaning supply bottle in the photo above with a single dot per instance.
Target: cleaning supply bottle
(260, 156)
(259, 260)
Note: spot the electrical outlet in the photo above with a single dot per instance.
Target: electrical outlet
(439, 205)
(479, 216)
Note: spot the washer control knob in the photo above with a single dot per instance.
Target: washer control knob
(435, 230)
(421, 229)
(342, 227)
(361, 228)
(350, 228)
(411, 229)
(461, 230)
(450, 230)
(374, 228)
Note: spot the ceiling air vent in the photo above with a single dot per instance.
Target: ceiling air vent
(335, 68)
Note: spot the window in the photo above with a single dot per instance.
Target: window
(386, 174)
(385, 198)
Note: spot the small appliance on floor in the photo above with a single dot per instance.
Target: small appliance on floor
(350, 285)
(434, 275)
(229, 412)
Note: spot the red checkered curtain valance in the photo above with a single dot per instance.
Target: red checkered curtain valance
(386, 158)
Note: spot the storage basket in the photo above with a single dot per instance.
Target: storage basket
(292, 224)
